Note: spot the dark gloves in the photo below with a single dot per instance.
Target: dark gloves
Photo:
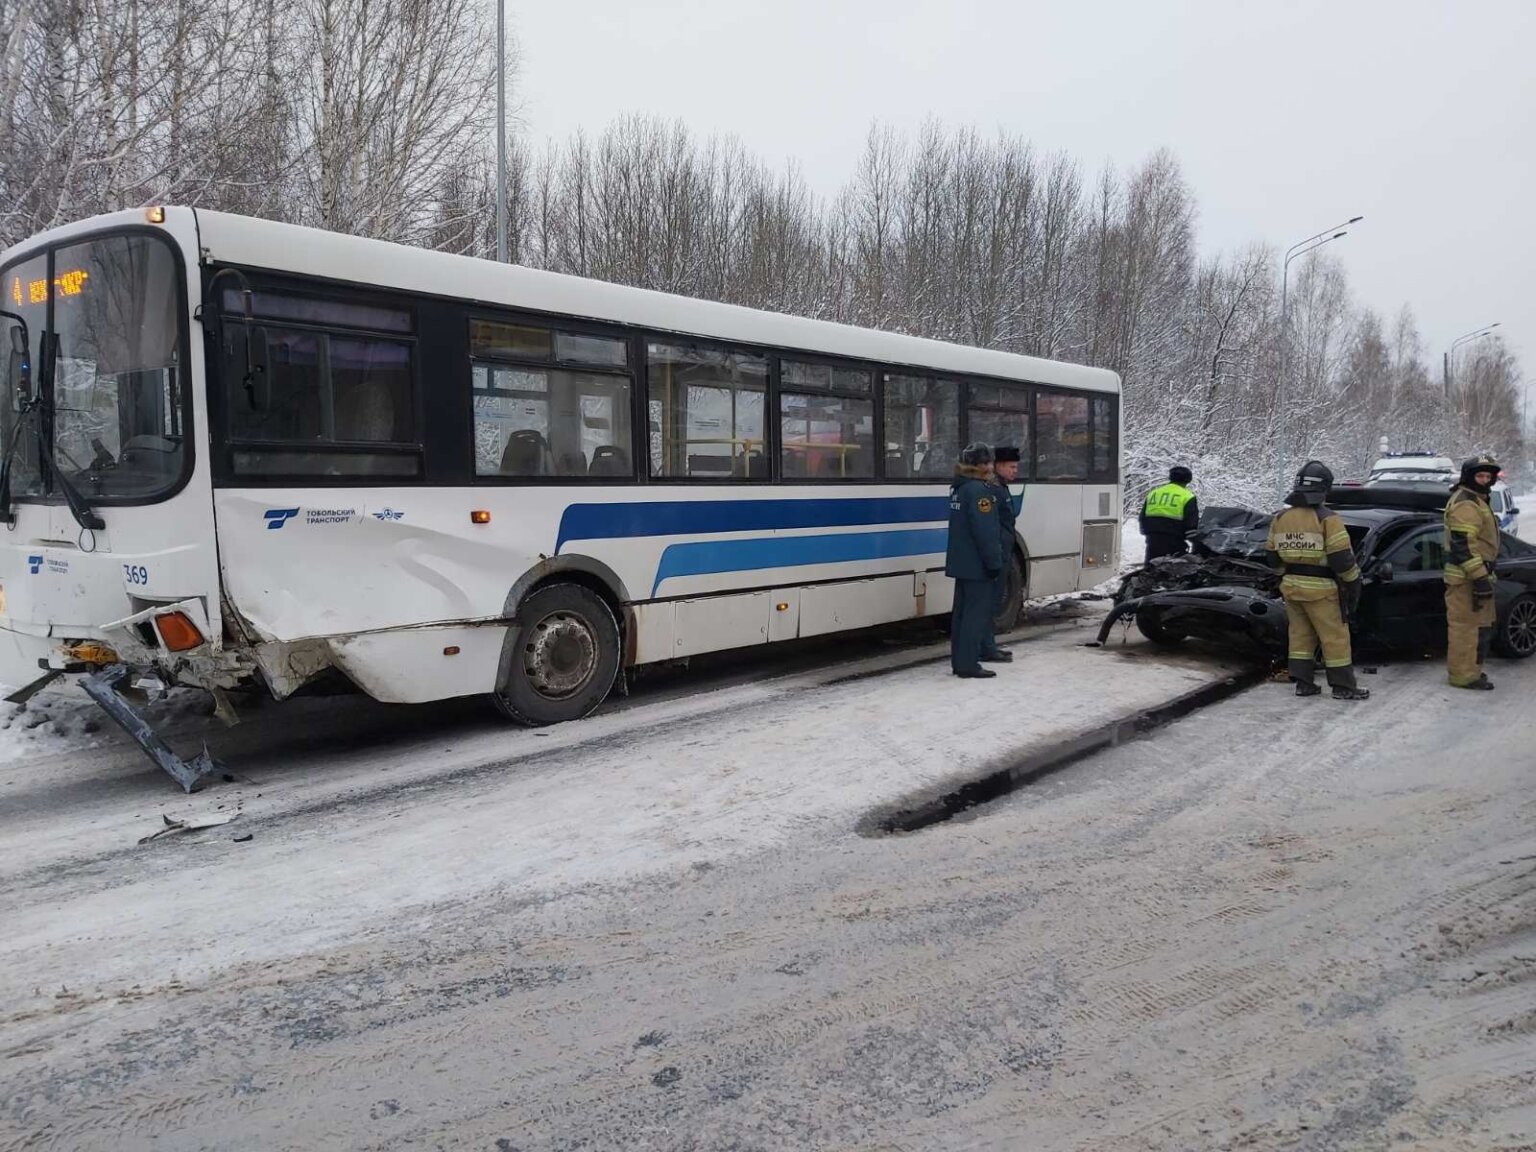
(1351, 596)
(1482, 592)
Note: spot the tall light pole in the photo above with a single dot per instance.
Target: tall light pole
(501, 131)
(1300, 248)
(1445, 368)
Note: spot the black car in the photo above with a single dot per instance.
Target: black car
(1225, 592)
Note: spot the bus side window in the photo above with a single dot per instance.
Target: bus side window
(533, 420)
(336, 401)
(922, 426)
(826, 422)
(706, 409)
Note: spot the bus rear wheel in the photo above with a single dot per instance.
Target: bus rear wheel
(1012, 605)
(562, 656)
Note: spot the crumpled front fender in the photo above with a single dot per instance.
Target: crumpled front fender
(1260, 615)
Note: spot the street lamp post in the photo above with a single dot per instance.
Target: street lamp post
(501, 131)
(1300, 248)
(1445, 366)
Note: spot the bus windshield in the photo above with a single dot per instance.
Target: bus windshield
(112, 389)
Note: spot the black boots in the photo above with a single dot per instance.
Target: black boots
(1340, 691)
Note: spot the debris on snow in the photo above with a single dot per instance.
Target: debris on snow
(193, 824)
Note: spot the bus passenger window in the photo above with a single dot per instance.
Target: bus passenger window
(539, 422)
(1000, 415)
(1061, 437)
(1106, 433)
(706, 413)
(826, 422)
(922, 427)
(334, 403)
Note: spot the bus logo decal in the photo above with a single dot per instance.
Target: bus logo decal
(277, 517)
(388, 514)
(34, 563)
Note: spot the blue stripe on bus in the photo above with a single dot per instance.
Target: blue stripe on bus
(706, 557)
(702, 517)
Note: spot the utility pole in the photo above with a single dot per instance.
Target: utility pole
(501, 131)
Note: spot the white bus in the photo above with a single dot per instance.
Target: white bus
(240, 453)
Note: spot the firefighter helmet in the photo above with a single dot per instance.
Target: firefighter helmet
(1470, 469)
(1314, 482)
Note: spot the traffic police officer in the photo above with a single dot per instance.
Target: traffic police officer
(1169, 514)
(1471, 547)
(1005, 469)
(1320, 582)
(973, 560)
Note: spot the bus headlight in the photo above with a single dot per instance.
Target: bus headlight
(178, 631)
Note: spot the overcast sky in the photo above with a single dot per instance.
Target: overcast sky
(1286, 116)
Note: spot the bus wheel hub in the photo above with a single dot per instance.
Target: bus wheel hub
(559, 655)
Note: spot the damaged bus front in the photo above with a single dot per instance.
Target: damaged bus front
(108, 559)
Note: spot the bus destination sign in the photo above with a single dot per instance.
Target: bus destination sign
(71, 283)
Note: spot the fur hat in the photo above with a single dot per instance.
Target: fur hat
(977, 455)
(1005, 454)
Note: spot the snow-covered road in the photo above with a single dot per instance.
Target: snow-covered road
(1271, 925)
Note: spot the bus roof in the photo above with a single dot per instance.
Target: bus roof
(257, 243)
(288, 248)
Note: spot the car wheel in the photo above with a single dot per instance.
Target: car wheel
(1516, 635)
(561, 657)
(1013, 598)
(1150, 624)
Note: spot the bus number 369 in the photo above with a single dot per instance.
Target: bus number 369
(135, 574)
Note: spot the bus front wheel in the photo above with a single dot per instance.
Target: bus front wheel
(562, 656)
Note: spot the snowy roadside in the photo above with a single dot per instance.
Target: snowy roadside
(687, 784)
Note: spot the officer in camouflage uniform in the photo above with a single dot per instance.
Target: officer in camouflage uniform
(1005, 468)
(974, 559)
(1320, 582)
(1471, 550)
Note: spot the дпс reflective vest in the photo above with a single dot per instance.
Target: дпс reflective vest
(1167, 502)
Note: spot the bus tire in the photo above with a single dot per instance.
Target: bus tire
(562, 656)
(1012, 606)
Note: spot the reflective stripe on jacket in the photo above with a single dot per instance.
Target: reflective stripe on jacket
(1471, 537)
(1312, 545)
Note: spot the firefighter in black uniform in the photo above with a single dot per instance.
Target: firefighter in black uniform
(973, 559)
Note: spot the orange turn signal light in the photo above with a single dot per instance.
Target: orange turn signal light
(155, 215)
(479, 516)
(178, 631)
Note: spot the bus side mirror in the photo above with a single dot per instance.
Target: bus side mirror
(258, 377)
